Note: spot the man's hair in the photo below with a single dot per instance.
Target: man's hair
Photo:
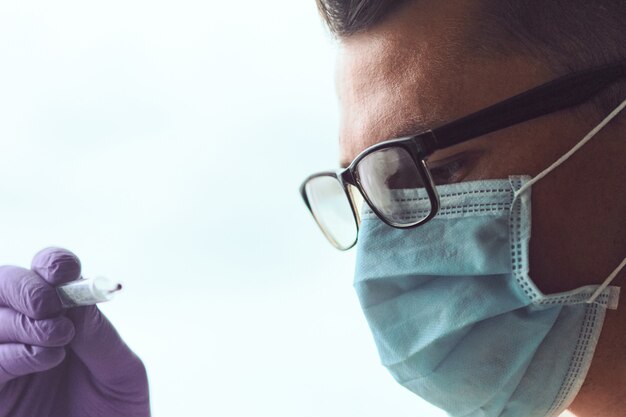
(563, 35)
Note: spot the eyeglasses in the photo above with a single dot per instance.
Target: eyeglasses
(394, 178)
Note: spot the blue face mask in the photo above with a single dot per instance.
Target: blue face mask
(456, 317)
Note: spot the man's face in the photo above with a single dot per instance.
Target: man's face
(411, 73)
(415, 70)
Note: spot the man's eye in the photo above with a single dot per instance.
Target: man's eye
(447, 172)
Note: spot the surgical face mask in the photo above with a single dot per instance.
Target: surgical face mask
(455, 315)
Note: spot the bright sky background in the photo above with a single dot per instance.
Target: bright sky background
(164, 143)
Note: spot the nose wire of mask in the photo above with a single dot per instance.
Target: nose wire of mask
(564, 158)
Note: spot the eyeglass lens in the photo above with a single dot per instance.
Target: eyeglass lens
(331, 208)
(393, 183)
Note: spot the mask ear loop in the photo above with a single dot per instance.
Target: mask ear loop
(564, 158)
(606, 282)
(572, 151)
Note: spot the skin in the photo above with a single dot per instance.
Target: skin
(413, 69)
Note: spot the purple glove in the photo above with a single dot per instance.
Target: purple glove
(62, 363)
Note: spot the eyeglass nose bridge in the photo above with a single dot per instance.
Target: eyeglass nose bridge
(356, 200)
(354, 194)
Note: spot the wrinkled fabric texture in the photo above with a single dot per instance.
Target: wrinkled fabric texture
(62, 363)
(457, 319)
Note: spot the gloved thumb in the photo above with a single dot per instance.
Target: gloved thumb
(110, 361)
(56, 266)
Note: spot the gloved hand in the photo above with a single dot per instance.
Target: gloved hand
(62, 363)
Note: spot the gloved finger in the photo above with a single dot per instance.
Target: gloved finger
(56, 265)
(18, 328)
(17, 359)
(26, 292)
(110, 361)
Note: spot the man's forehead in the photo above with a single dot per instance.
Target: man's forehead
(398, 77)
(387, 89)
(413, 71)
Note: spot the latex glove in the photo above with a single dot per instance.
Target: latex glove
(62, 363)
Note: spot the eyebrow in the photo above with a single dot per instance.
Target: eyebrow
(408, 128)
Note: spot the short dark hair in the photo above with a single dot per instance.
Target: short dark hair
(347, 17)
(564, 35)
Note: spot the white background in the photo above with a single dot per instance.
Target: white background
(164, 143)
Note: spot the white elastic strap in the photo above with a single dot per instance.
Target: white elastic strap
(606, 282)
(564, 158)
(579, 145)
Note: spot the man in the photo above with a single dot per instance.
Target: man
(458, 318)
(404, 68)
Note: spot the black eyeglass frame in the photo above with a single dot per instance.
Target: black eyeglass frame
(559, 94)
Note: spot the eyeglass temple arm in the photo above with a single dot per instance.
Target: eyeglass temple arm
(547, 98)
